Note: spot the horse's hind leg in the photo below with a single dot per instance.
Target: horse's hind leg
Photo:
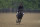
(19, 20)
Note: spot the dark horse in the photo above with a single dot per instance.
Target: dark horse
(19, 17)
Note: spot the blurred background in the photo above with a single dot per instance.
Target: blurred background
(12, 5)
(8, 9)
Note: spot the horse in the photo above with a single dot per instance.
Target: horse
(19, 17)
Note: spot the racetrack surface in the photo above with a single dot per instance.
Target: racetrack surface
(28, 20)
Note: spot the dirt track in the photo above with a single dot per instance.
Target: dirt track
(29, 20)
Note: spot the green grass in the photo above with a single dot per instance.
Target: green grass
(14, 3)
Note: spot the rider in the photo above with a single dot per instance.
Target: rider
(20, 8)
